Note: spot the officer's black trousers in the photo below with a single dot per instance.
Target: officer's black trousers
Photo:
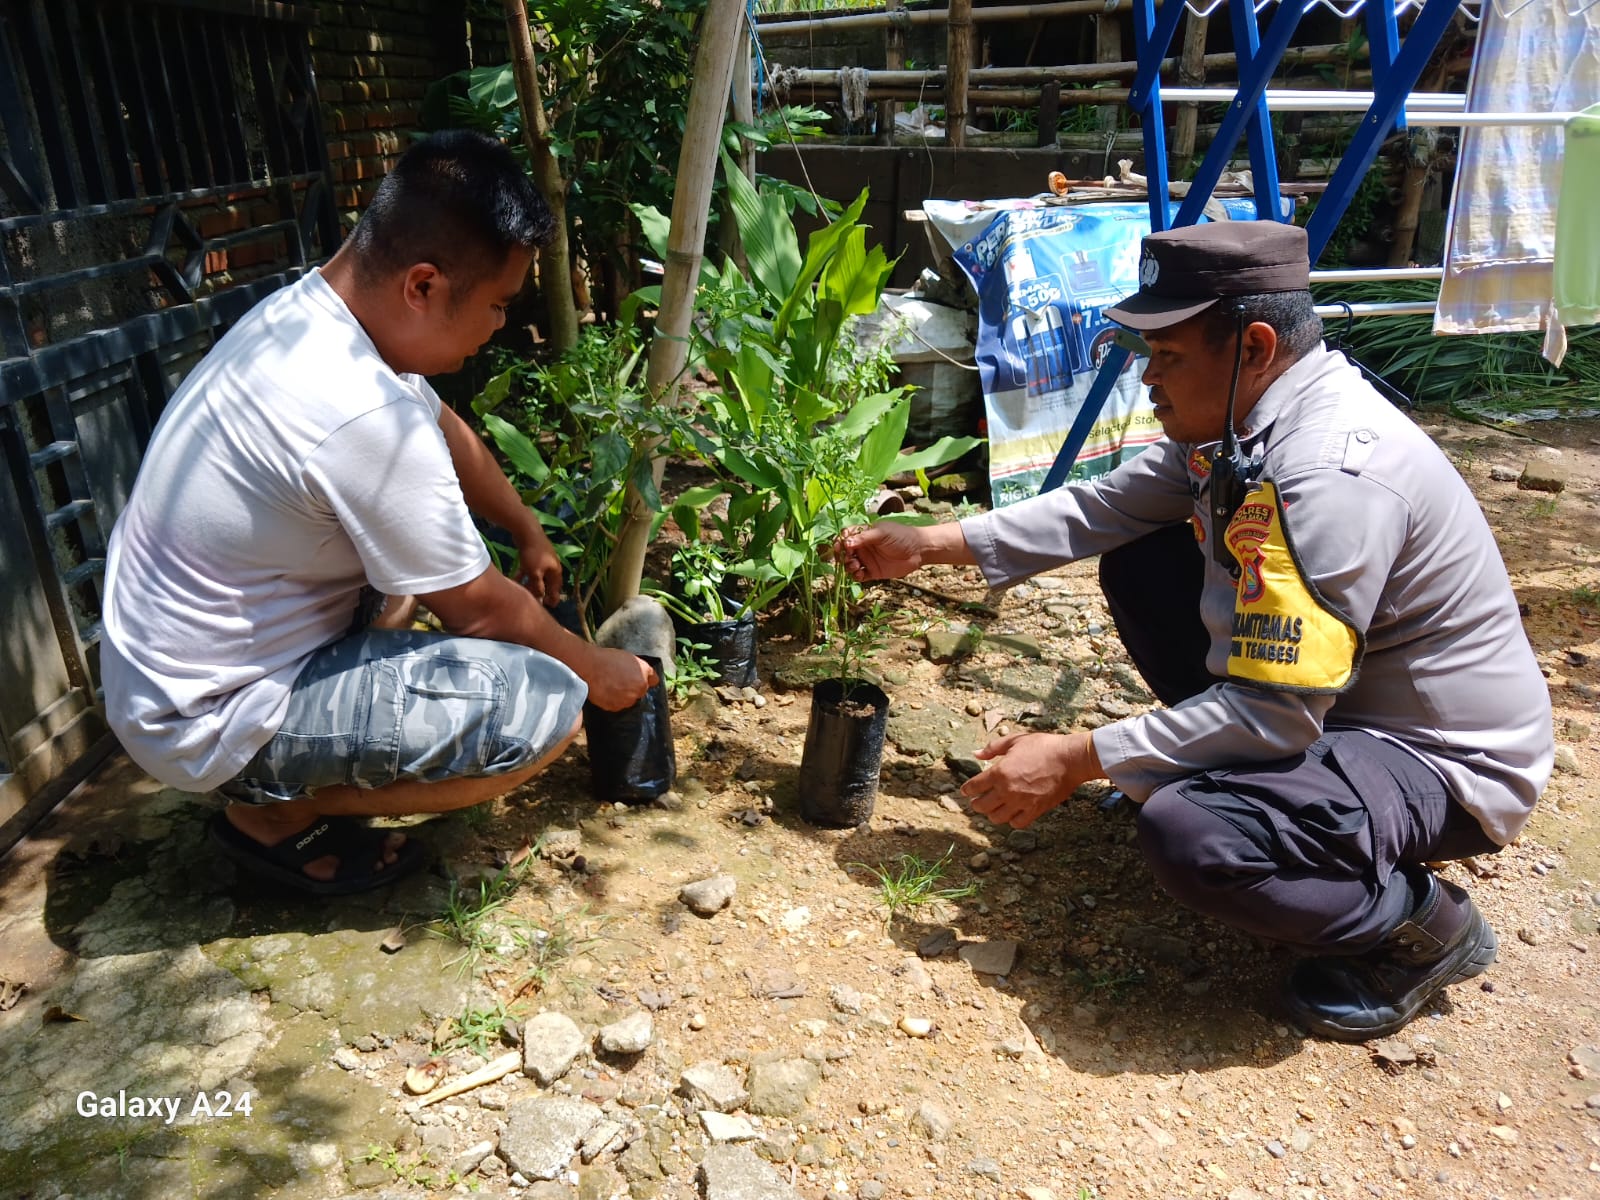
(1310, 851)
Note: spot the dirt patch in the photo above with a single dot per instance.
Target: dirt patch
(1129, 1047)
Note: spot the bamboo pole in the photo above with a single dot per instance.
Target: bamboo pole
(1191, 73)
(669, 350)
(1068, 73)
(958, 56)
(555, 260)
(1013, 97)
(774, 27)
(894, 59)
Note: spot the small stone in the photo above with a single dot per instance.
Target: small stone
(735, 1173)
(544, 1132)
(722, 1128)
(347, 1058)
(974, 708)
(599, 1139)
(870, 1189)
(989, 958)
(712, 1085)
(987, 1167)
(845, 999)
(1407, 1142)
(551, 1042)
(1567, 760)
(932, 1121)
(782, 1087)
(936, 944)
(1592, 1102)
(1504, 1133)
(1542, 477)
(468, 1160)
(631, 1035)
(1023, 841)
(979, 861)
(697, 1021)
(706, 897)
(1276, 1148)
(1528, 936)
(1503, 474)
(1037, 1193)
(917, 1027)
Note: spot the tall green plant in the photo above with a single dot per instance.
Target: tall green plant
(804, 426)
(574, 434)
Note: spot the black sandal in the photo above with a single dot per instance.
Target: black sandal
(356, 845)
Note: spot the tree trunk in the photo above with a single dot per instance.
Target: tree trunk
(555, 260)
(691, 201)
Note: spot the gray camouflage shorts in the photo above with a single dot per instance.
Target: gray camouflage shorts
(384, 705)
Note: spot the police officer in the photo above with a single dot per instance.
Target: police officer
(1312, 592)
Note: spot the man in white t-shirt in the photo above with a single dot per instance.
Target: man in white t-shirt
(304, 459)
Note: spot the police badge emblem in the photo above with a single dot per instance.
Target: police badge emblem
(1149, 269)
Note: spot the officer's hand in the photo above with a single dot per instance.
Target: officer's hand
(887, 550)
(616, 678)
(1031, 774)
(538, 566)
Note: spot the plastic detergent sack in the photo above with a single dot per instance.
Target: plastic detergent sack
(1044, 277)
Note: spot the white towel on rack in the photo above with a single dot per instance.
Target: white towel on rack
(1501, 250)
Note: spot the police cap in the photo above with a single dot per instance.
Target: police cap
(1183, 272)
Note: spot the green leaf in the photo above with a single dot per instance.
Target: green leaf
(494, 392)
(494, 87)
(820, 247)
(770, 243)
(656, 227)
(945, 450)
(518, 447)
(876, 462)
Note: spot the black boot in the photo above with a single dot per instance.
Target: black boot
(1444, 941)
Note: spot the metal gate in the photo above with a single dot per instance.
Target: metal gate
(162, 167)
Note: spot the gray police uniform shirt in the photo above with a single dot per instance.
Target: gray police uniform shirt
(1370, 595)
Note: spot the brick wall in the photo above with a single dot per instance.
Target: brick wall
(373, 62)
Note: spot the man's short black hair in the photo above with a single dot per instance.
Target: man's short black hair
(1292, 314)
(458, 200)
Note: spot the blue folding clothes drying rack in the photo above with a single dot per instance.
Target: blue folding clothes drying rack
(1396, 67)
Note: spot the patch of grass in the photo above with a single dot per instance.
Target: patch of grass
(1586, 597)
(1107, 983)
(474, 915)
(478, 1029)
(548, 950)
(1504, 373)
(911, 884)
(1542, 508)
(416, 1172)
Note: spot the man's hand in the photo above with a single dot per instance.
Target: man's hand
(538, 566)
(887, 550)
(1032, 773)
(616, 678)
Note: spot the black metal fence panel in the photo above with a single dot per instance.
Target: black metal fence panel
(162, 167)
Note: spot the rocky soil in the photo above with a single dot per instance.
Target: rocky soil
(708, 997)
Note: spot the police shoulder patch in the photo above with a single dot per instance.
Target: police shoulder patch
(1285, 635)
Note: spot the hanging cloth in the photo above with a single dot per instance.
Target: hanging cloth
(1499, 263)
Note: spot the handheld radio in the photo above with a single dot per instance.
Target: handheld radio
(1231, 475)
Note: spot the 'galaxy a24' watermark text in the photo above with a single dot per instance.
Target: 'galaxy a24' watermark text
(166, 1109)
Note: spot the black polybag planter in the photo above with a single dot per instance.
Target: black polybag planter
(839, 766)
(733, 648)
(631, 758)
